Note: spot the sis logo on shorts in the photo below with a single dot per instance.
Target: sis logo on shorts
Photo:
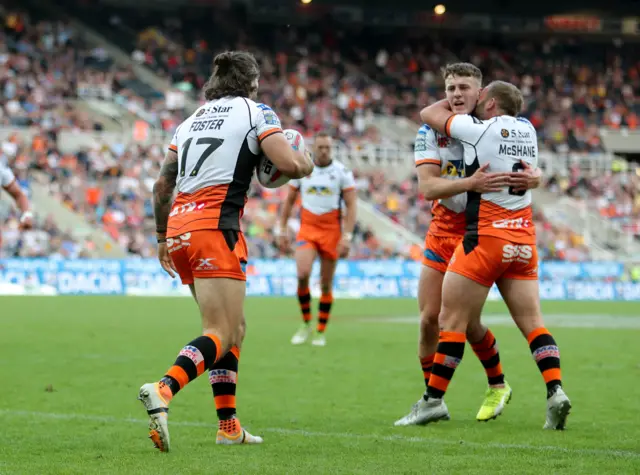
(517, 252)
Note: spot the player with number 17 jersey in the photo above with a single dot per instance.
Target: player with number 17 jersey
(218, 148)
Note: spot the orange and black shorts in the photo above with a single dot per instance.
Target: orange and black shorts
(493, 258)
(324, 241)
(209, 253)
(438, 251)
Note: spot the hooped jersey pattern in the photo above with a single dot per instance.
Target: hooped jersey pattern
(502, 142)
(321, 194)
(433, 148)
(218, 148)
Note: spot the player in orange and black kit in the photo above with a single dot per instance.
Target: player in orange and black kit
(442, 177)
(322, 232)
(211, 161)
(499, 245)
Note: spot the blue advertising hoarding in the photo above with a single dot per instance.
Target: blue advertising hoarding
(354, 279)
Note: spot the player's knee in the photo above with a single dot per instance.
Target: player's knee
(452, 321)
(241, 332)
(429, 317)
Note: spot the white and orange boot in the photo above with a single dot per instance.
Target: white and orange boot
(230, 432)
(156, 397)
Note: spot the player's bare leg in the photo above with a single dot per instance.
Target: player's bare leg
(305, 255)
(223, 377)
(429, 298)
(462, 302)
(327, 271)
(523, 300)
(220, 302)
(480, 338)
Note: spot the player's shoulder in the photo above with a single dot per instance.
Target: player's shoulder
(341, 167)
(524, 121)
(425, 138)
(473, 120)
(425, 132)
(259, 106)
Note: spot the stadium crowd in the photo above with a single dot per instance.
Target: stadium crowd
(315, 83)
(110, 184)
(322, 77)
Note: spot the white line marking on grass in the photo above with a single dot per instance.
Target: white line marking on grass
(342, 435)
(551, 319)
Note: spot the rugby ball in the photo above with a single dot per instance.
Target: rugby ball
(268, 175)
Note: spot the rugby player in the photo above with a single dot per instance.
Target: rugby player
(9, 183)
(211, 161)
(322, 232)
(442, 178)
(499, 245)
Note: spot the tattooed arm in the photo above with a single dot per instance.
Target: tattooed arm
(163, 191)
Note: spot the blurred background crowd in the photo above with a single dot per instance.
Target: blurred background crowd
(326, 77)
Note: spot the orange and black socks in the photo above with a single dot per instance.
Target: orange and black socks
(304, 298)
(547, 356)
(197, 356)
(487, 352)
(447, 358)
(324, 311)
(223, 377)
(427, 365)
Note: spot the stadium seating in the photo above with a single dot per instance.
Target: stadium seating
(315, 83)
(329, 77)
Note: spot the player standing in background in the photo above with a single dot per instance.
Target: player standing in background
(9, 183)
(211, 161)
(442, 178)
(499, 245)
(322, 232)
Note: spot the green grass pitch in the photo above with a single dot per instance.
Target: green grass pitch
(321, 410)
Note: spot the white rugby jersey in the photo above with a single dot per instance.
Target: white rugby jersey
(502, 142)
(434, 148)
(6, 175)
(321, 191)
(221, 138)
(218, 148)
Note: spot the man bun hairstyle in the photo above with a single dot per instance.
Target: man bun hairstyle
(234, 74)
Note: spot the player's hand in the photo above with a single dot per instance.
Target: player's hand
(484, 182)
(527, 179)
(26, 221)
(283, 244)
(344, 246)
(165, 260)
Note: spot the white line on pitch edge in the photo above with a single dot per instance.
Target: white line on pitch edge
(342, 435)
